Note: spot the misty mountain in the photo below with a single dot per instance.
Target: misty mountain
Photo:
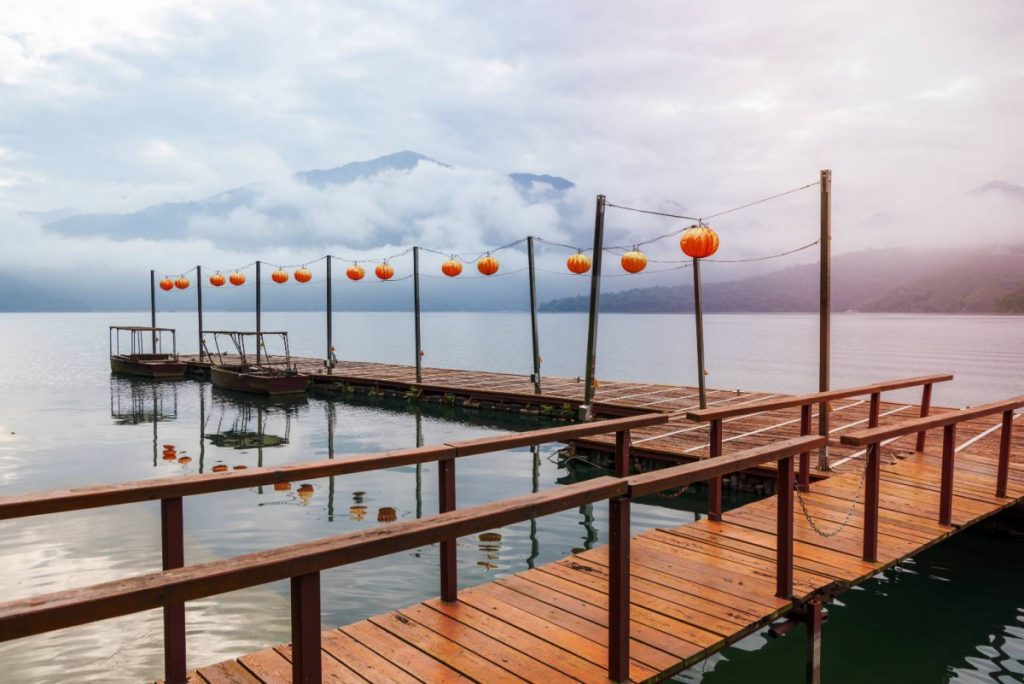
(174, 220)
(21, 295)
(999, 187)
(905, 281)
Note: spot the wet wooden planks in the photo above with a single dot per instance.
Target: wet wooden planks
(695, 588)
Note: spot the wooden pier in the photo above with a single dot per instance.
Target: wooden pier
(641, 608)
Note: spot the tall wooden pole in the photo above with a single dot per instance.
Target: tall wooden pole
(152, 306)
(259, 308)
(587, 409)
(416, 308)
(199, 307)
(533, 316)
(330, 319)
(699, 318)
(825, 311)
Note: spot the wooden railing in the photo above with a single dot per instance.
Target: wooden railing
(873, 438)
(806, 402)
(171, 491)
(303, 562)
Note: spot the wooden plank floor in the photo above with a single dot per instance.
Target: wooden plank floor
(695, 588)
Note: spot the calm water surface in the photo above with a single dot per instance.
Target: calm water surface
(952, 614)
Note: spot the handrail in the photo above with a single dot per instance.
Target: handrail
(303, 562)
(170, 493)
(716, 416)
(706, 415)
(79, 498)
(873, 437)
(879, 434)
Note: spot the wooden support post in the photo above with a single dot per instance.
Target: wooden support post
(825, 311)
(805, 458)
(946, 492)
(152, 306)
(876, 406)
(533, 316)
(259, 312)
(330, 317)
(715, 483)
(306, 666)
(416, 311)
(199, 307)
(784, 530)
(587, 409)
(926, 405)
(618, 589)
(813, 620)
(871, 486)
(698, 316)
(1004, 453)
(446, 503)
(172, 542)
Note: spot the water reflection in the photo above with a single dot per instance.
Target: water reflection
(134, 400)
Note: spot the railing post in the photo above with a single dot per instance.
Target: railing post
(946, 495)
(446, 501)
(871, 485)
(876, 405)
(805, 457)
(715, 483)
(926, 405)
(1004, 453)
(172, 544)
(618, 569)
(813, 620)
(784, 530)
(306, 667)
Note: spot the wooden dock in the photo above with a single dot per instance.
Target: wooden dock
(641, 608)
(695, 589)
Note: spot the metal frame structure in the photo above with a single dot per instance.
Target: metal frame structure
(137, 342)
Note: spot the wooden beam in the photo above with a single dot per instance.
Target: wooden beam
(879, 434)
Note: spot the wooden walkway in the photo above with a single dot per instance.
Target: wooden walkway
(695, 588)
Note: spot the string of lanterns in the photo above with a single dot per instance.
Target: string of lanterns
(698, 241)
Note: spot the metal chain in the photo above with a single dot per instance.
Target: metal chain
(849, 513)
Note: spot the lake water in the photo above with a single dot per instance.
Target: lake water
(952, 614)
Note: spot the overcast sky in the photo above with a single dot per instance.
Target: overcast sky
(113, 106)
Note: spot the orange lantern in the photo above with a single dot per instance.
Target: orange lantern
(181, 283)
(282, 486)
(487, 265)
(452, 267)
(305, 493)
(237, 279)
(220, 468)
(699, 242)
(166, 284)
(387, 514)
(185, 460)
(355, 272)
(578, 263)
(279, 276)
(384, 271)
(303, 275)
(217, 279)
(634, 261)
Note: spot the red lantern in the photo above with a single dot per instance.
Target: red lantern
(280, 276)
(384, 271)
(355, 272)
(166, 284)
(237, 279)
(217, 279)
(699, 242)
(303, 275)
(578, 263)
(634, 261)
(452, 267)
(181, 283)
(487, 265)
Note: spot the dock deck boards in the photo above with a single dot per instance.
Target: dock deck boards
(695, 588)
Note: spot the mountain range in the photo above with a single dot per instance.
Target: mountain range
(898, 281)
